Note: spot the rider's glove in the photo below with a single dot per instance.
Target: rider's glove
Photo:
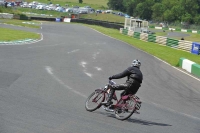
(110, 78)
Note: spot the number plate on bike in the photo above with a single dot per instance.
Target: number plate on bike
(138, 105)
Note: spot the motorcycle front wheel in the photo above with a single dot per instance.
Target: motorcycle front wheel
(94, 100)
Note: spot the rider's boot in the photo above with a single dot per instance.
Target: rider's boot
(110, 97)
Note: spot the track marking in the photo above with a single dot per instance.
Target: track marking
(98, 68)
(73, 51)
(83, 63)
(88, 74)
(50, 71)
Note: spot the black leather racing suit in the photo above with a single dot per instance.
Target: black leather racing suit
(133, 82)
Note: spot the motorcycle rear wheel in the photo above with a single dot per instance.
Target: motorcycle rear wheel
(126, 111)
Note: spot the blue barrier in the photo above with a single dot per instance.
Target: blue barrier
(195, 48)
(58, 19)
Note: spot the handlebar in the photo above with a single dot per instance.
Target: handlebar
(111, 82)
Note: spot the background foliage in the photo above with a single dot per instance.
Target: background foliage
(187, 11)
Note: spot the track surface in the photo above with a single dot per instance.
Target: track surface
(43, 86)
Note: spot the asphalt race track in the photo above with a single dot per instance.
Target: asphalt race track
(44, 85)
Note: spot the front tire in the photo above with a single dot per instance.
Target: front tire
(93, 102)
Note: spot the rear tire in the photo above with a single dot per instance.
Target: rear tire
(126, 111)
(93, 102)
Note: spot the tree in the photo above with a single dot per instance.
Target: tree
(158, 11)
(81, 1)
(116, 5)
(144, 9)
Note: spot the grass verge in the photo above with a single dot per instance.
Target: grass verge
(30, 24)
(104, 17)
(13, 35)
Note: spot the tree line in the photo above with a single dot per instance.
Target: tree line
(160, 10)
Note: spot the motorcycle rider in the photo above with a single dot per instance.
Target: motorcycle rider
(132, 84)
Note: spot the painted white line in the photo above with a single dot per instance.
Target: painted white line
(98, 68)
(190, 116)
(83, 63)
(50, 71)
(76, 50)
(25, 43)
(88, 74)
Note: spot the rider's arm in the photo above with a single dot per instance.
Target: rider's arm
(121, 75)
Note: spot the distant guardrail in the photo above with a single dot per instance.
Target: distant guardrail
(106, 24)
(6, 15)
(173, 43)
(176, 29)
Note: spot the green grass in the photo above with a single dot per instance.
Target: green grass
(91, 2)
(96, 4)
(12, 35)
(165, 53)
(21, 23)
(104, 17)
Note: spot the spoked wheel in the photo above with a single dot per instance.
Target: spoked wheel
(124, 112)
(93, 102)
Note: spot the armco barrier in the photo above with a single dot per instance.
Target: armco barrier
(190, 66)
(144, 36)
(161, 40)
(6, 15)
(177, 29)
(42, 18)
(172, 42)
(125, 32)
(178, 44)
(121, 29)
(130, 33)
(136, 35)
(196, 70)
(86, 21)
(184, 45)
(182, 30)
(151, 38)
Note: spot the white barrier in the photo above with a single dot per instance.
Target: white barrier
(184, 45)
(158, 27)
(130, 33)
(67, 20)
(121, 30)
(144, 36)
(161, 40)
(187, 65)
(194, 31)
(6, 15)
(183, 30)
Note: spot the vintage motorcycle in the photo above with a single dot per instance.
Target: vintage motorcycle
(123, 108)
